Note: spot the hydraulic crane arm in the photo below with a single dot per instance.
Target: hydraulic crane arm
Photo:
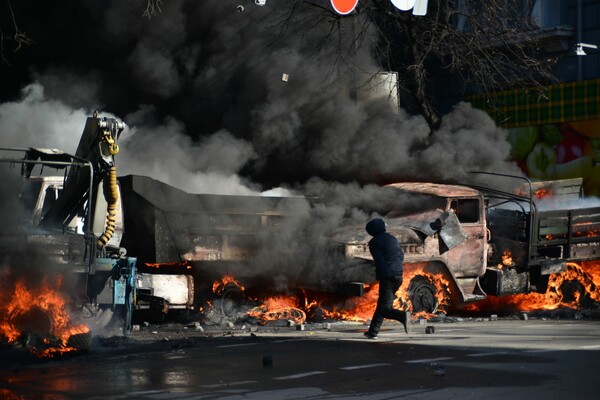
(97, 146)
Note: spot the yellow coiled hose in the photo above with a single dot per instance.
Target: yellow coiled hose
(111, 194)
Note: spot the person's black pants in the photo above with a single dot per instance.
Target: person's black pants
(387, 293)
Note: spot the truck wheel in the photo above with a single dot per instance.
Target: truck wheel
(574, 291)
(35, 320)
(231, 300)
(421, 293)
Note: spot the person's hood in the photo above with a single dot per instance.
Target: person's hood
(375, 226)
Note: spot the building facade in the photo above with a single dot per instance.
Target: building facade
(555, 131)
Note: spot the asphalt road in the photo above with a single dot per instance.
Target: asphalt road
(504, 359)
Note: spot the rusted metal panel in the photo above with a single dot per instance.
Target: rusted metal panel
(434, 189)
(451, 231)
(506, 281)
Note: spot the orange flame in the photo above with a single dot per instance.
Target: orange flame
(52, 304)
(442, 287)
(358, 309)
(183, 264)
(542, 193)
(565, 290)
(507, 260)
(9, 395)
(279, 308)
(220, 285)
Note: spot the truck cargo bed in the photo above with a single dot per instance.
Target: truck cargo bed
(165, 224)
(569, 234)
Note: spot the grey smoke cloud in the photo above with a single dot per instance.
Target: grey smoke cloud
(37, 121)
(214, 78)
(164, 152)
(467, 140)
(200, 88)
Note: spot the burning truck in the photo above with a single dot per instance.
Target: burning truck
(63, 270)
(461, 245)
(477, 241)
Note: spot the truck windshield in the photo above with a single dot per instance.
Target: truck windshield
(467, 210)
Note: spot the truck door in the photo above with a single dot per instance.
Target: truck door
(469, 259)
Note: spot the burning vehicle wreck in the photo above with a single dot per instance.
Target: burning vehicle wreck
(63, 270)
(458, 253)
(454, 245)
(113, 251)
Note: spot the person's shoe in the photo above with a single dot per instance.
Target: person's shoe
(369, 335)
(407, 316)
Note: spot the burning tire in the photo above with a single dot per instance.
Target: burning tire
(80, 341)
(422, 295)
(574, 291)
(33, 321)
(232, 299)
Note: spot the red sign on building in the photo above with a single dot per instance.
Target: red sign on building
(419, 7)
(344, 6)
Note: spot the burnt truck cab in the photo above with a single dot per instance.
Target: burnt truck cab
(445, 244)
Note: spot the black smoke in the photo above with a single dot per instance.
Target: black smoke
(222, 101)
(204, 80)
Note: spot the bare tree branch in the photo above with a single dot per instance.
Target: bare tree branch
(491, 45)
(153, 8)
(20, 38)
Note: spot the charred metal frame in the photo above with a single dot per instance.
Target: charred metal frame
(75, 162)
(550, 222)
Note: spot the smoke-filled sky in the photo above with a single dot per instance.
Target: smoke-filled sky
(200, 88)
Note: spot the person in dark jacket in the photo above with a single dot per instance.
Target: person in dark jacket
(388, 257)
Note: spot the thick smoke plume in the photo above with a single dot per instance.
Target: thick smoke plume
(213, 77)
(221, 101)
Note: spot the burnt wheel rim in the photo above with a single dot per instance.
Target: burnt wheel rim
(231, 300)
(422, 295)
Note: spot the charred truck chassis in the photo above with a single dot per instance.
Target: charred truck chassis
(59, 239)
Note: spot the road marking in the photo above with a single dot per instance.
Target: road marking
(497, 353)
(177, 396)
(287, 340)
(538, 351)
(145, 392)
(590, 347)
(297, 376)
(365, 366)
(217, 385)
(426, 360)
(236, 345)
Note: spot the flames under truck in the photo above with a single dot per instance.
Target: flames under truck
(456, 245)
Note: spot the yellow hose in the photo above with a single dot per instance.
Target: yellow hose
(111, 194)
